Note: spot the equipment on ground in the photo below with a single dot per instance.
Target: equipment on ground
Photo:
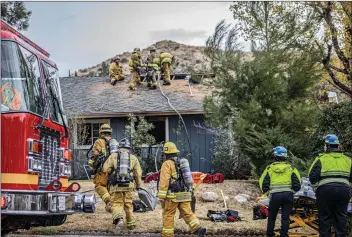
(221, 216)
(148, 199)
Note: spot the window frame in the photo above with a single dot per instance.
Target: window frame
(86, 121)
(41, 84)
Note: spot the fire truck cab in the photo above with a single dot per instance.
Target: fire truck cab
(35, 154)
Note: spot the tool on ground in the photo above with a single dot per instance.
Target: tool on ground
(220, 216)
(148, 199)
(223, 197)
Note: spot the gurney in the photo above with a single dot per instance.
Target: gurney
(304, 216)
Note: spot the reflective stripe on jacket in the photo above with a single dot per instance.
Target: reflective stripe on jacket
(280, 177)
(331, 167)
(135, 61)
(166, 58)
(167, 176)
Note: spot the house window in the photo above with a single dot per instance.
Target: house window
(160, 130)
(88, 132)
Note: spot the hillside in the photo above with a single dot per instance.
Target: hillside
(187, 57)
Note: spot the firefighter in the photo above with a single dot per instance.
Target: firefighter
(281, 180)
(134, 66)
(330, 173)
(153, 61)
(174, 195)
(115, 71)
(166, 60)
(100, 152)
(123, 169)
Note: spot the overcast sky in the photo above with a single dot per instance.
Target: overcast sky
(82, 34)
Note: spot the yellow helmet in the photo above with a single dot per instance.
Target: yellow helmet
(105, 128)
(170, 148)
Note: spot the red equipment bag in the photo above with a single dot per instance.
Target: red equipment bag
(209, 179)
(218, 178)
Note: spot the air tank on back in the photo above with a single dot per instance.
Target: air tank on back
(186, 172)
(124, 168)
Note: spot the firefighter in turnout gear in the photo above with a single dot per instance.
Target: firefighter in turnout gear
(281, 180)
(154, 62)
(174, 190)
(330, 174)
(134, 66)
(125, 174)
(166, 60)
(100, 152)
(115, 71)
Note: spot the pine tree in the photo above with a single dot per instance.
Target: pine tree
(16, 14)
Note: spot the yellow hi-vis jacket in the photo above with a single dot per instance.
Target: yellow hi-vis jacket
(135, 171)
(331, 167)
(154, 62)
(280, 177)
(166, 58)
(168, 175)
(99, 147)
(135, 61)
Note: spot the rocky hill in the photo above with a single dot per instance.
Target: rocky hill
(188, 58)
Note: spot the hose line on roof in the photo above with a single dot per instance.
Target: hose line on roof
(180, 116)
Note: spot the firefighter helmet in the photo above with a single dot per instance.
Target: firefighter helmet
(125, 143)
(117, 58)
(170, 148)
(105, 128)
(152, 49)
(280, 151)
(331, 139)
(137, 50)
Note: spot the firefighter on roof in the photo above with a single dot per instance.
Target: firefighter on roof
(280, 179)
(123, 169)
(115, 71)
(174, 189)
(134, 66)
(154, 62)
(166, 60)
(331, 174)
(100, 152)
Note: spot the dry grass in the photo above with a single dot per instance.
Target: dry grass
(152, 221)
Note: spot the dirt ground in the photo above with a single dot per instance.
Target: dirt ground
(152, 221)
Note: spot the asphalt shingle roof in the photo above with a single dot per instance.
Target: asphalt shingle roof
(88, 96)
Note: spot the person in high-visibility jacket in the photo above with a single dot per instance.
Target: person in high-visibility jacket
(100, 152)
(134, 66)
(331, 175)
(166, 60)
(115, 71)
(120, 189)
(153, 61)
(280, 180)
(172, 200)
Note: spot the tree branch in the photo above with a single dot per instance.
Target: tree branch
(334, 38)
(345, 6)
(344, 71)
(333, 76)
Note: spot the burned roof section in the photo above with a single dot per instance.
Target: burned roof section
(95, 96)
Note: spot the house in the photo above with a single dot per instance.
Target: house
(98, 102)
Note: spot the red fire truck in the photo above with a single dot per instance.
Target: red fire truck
(35, 159)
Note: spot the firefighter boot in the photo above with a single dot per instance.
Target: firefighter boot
(201, 232)
(118, 225)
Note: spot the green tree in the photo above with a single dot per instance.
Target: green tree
(137, 131)
(16, 14)
(267, 91)
(104, 69)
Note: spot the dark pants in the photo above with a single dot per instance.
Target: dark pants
(285, 201)
(332, 202)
